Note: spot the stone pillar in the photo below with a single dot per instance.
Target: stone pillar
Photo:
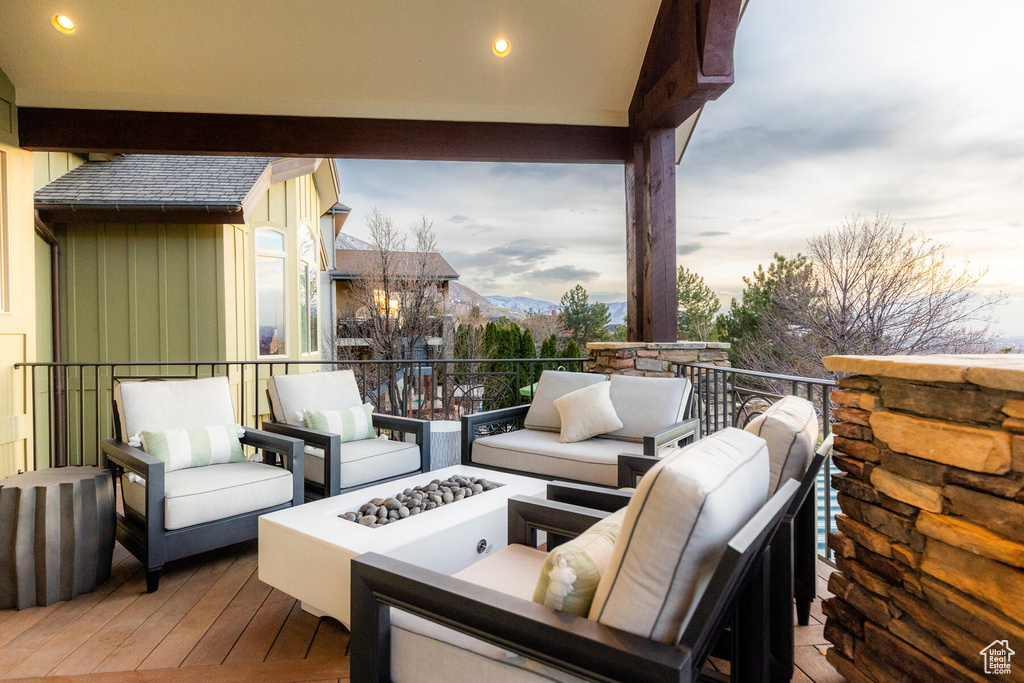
(930, 547)
(653, 359)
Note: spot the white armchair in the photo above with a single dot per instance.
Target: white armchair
(174, 513)
(689, 560)
(332, 467)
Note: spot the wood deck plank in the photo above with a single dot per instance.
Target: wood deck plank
(216, 598)
(148, 636)
(217, 642)
(87, 657)
(263, 629)
(811, 661)
(64, 643)
(177, 644)
(325, 668)
(296, 636)
(25, 636)
(331, 640)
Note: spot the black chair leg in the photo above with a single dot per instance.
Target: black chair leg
(781, 603)
(153, 579)
(805, 557)
(750, 629)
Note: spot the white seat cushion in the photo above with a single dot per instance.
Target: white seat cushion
(205, 494)
(292, 394)
(365, 461)
(417, 644)
(555, 384)
(677, 527)
(173, 404)
(790, 427)
(647, 404)
(540, 452)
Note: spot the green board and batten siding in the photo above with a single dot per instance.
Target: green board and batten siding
(166, 292)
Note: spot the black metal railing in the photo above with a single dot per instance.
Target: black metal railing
(71, 403)
(732, 397)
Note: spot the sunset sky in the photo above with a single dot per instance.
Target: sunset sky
(914, 108)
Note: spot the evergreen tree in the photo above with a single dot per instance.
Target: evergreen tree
(697, 305)
(572, 350)
(742, 325)
(585, 322)
(527, 349)
(549, 349)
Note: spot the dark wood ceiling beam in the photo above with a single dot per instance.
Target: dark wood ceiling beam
(687, 63)
(135, 132)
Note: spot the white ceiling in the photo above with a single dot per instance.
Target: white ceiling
(571, 61)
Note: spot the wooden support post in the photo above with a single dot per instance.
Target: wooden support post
(637, 244)
(660, 183)
(688, 62)
(651, 237)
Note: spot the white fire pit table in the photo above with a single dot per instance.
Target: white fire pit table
(305, 551)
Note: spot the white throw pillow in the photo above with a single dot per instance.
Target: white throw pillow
(587, 412)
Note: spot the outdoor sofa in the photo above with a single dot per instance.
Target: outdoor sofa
(654, 412)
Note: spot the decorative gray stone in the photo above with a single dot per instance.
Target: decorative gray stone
(56, 534)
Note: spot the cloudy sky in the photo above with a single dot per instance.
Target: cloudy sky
(839, 108)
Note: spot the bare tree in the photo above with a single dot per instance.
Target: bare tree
(399, 294)
(873, 288)
(543, 325)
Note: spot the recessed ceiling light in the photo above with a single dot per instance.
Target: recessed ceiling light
(501, 47)
(63, 23)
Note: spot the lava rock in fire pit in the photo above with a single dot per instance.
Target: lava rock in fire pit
(413, 501)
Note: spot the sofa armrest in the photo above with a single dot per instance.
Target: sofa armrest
(585, 495)
(687, 430)
(573, 644)
(471, 422)
(408, 425)
(632, 467)
(528, 515)
(138, 461)
(290, 449)
(330, 443)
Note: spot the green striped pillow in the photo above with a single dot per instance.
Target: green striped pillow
(571, 572)
(194, 446)
(353, 424)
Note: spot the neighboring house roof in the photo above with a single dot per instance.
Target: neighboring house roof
(358, 263)
(165, 188)
(343, 242)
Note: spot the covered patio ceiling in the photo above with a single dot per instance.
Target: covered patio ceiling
(584, 81)
(570, 62)
(370, 80)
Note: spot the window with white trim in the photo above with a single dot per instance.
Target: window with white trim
(309, 299)
(271, 307)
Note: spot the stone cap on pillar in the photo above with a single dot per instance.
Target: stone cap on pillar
(1002, 371)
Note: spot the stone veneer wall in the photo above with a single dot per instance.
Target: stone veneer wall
(930, 547)
(653, 359)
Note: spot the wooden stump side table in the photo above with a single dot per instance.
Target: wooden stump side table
(56, 534)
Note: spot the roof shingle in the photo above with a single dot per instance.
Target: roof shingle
(156, 179)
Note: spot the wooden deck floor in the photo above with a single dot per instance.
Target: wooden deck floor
(213, 619)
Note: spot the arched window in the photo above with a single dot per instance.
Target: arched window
(309, 299)
(271, 311)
